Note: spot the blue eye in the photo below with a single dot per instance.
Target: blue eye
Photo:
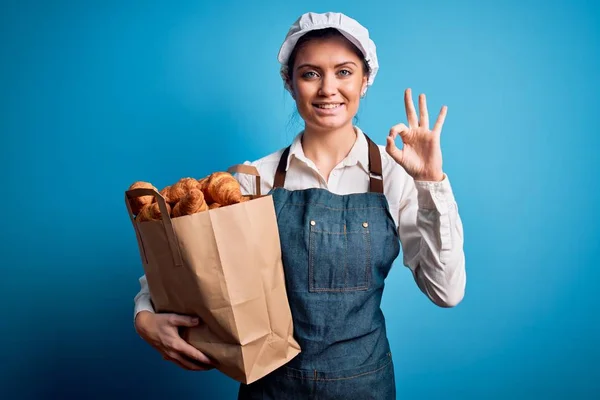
(346, 72)
(308, 74)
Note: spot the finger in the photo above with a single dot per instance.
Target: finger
(179, 364)
(183, 320)
(401, 130)
(186, 349)
(183, 363)
(204, 366)
(392, 150)
(440, 120)
(424, 115)
(411, 113)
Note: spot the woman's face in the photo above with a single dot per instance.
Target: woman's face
(327, 81)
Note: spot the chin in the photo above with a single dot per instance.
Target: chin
(329, 124)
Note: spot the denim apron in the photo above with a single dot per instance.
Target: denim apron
(337, 251)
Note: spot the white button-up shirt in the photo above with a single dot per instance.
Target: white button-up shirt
(425, 213)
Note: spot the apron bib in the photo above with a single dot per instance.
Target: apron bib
(337, 251)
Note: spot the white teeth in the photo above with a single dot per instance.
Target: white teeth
(328, 106)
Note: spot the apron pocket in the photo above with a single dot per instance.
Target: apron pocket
(373, 382)
(339, 256)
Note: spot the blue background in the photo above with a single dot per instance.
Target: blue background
(98, 94)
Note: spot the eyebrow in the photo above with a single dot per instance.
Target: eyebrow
(337, 66)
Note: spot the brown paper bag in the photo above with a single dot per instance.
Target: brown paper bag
(223, 265)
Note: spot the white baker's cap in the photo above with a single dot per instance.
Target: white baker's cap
(350, 28)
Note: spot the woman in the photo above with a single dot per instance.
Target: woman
(344, 206)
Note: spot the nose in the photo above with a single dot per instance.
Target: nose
(328, 85)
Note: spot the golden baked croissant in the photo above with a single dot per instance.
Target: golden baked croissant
(188, 196)
(217, 205)
(165, 194)
(137, 203)
(151, 212)
(203, 185)
(224, 189)
(178, 190)
(192, 202)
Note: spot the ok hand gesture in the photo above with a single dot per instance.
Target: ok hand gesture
(421, 153)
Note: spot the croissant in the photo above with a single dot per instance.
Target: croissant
(224, 189)
(202, 182)
(203, 185)
(178, 190)
(138, 203)
(165, 194)
(217, 205)
(192, 202)
(151, 212)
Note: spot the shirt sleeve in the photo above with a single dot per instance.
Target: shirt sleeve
(142, 300)
(431, 234)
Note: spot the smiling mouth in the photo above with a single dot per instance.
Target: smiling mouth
(328, 106)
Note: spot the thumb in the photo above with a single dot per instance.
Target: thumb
(183, 320)
(396, 153)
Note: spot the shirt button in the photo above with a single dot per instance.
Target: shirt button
(313, 223)
(365, 224)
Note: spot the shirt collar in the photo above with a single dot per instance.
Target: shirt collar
(359, 154)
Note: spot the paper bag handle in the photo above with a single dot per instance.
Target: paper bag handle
(166, 220)
(247, 169)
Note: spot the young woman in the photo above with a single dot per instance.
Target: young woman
(345, 206)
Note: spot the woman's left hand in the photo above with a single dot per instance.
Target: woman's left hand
(421, 154)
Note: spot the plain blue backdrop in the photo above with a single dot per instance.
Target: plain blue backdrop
(98, 94)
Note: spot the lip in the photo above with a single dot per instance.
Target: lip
(328, 111)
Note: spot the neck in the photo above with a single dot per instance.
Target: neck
(328, 148)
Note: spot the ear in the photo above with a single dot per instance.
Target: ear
(363, 89)
(287, 82)
(290, 87)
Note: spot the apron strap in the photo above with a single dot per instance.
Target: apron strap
(280, 173)
(375, 175)
(376, 171)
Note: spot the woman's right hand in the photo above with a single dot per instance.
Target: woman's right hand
(161, 331)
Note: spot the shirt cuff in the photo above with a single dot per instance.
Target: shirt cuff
(142, 303)
(435, 195)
